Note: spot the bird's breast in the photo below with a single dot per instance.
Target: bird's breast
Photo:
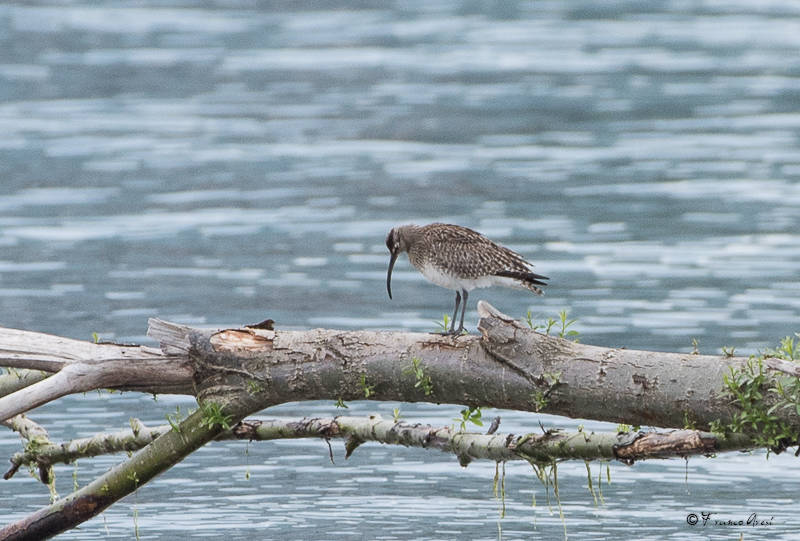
(440, 277)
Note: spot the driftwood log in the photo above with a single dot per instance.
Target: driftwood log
(237, 372)
(506, 366)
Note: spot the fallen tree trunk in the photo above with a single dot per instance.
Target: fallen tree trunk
(508, 366)
(237, 372)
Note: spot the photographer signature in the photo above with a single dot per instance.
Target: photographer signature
(704, 519)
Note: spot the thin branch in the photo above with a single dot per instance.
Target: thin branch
(498, 447)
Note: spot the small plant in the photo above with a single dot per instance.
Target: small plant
(396, 415)
(133, 476)
(562, 324)
(254, 387)
(549, 325)
(539, 401)
(688, 422)
(214, 416)
(623, 428)
(443, 325)
(368, 389)
(95, 338)
(471, 414)
(717, 427)
(541, 397)
(529, 321)
(788, 350)
(424, 381)
(174, 419)
(759, 396)
(340, 404)
(728, 351)
(695, 350)
(565, 323)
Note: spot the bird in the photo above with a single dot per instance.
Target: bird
(459, 258)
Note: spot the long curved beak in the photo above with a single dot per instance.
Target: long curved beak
(389, 274)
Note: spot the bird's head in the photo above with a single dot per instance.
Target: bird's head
(396, 242)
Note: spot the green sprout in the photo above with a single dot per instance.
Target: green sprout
(214, 416)
(471, 414)
(565, 323)
(529, 320)
(562, 324)
(368, 389)
(623, 428)
(541, 397)
(174, 419)
(423, 380)
(254, 386)
(443, 325)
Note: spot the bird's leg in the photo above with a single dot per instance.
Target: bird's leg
(463, 309)
(455, 313)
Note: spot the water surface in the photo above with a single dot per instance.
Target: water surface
(219, 165)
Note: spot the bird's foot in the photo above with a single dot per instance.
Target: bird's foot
(452, 332)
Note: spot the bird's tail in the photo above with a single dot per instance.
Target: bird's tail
(529, 280)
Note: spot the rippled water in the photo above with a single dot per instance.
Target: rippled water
(220, 165)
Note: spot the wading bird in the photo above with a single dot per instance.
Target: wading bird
(458, 258)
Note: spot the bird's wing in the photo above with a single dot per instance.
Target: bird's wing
(470, 254)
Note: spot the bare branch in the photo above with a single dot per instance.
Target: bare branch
(537, 447)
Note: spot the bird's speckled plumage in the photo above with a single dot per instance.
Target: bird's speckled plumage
(456, 257)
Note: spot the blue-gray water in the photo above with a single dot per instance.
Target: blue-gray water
(220, 165)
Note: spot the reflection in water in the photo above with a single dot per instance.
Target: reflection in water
(225, 164)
